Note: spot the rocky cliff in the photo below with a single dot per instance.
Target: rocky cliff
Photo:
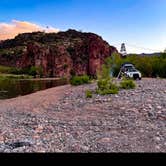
(58, 54)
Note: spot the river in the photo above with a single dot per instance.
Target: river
(11, 88)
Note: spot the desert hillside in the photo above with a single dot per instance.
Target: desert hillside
(56, 54)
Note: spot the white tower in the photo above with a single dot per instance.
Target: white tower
(123, 50)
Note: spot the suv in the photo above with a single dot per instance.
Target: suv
(128, 70)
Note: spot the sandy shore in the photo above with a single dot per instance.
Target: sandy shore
(62, 119)
(34, 101)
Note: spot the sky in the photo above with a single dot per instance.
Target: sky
(140, 24)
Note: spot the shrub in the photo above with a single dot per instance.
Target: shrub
(88, 94)
(85, 79)
(103, 84)
(106, 86)
(149, 66)
(79, 80)
(12, 76)
(33, 71)
(127, 84)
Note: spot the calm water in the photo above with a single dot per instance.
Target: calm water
(13, 88)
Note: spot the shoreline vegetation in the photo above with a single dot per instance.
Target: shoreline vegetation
(27, 77)
(153, 67)
(14, 76)
(149, 66)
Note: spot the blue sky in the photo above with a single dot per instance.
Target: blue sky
(138, 23)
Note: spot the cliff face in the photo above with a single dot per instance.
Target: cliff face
(60, 54)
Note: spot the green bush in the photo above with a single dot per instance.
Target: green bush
(88, 94)
(79, 80)
(107, 91)
(127, 84)
(33, 71)
(85, 79)
(12, 76)
(149, 66)
(105, 83)
(5, 69)
(106, 86)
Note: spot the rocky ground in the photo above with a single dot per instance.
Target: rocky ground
(62, 119)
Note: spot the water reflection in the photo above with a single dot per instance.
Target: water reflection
(11, 88)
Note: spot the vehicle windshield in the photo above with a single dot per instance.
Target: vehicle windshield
(132, 70)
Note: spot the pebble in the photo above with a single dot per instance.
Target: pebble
(149, 106)
(105, 140)
(159, 107)
(157, 147)
(157, 139)
(58, 151)
(85, 148)
(39, 128)
(2, 139)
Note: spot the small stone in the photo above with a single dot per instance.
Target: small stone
(157, 147)
(105, 140)
(85, 148)
(150, 106)
(36, 136)
(38, 143)
(142, 131)
(58, 151)
(39, 129)
(149, 100)
(2, 139)
(109, 100)
(41, 151)
(158, 133)
(159, 107)
(157, 139)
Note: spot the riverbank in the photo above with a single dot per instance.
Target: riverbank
(14, 76)
(11, 88)
(62, 119)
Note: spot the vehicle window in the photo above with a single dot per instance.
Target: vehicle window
(132, 70)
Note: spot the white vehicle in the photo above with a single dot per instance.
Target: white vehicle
(133, 73)
(128, 70)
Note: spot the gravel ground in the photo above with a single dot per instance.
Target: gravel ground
(61, 119)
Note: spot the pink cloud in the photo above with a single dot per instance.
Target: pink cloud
(10, 30)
